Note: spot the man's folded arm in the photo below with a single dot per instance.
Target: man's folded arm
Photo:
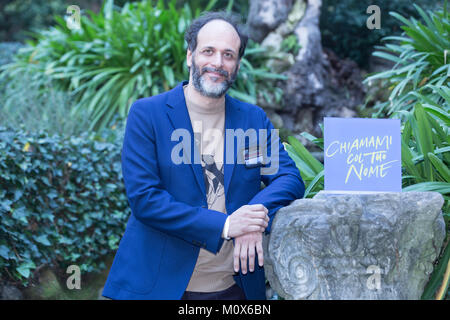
(150, 203)
(283, 186)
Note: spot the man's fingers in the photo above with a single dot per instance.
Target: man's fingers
(263, 224)
(251, 257)
(253, 228)
(236, 256)
(259, 251)
(244, 249)
(258, 222)
(258, 207)
(258, 215)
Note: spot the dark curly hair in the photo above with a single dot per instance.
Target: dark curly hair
(234, 19)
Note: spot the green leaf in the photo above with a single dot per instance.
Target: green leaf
(437, 275)
(43, 240)
(437, 151)
(408, 163)
(24, 268)
(4, 251)
(20, 214)
(424, 138)
(304, 154)
(314, 183)
(440, 167)
(305, 170)
(242, 96)
(168, 73)
(441, 187)
(387, 56)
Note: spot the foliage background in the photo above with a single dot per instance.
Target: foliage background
(343, 25)
(71, 165)
(62, 202)
(114, 60)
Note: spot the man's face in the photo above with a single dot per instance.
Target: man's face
(215, 62)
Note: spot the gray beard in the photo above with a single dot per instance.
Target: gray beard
(209, 89)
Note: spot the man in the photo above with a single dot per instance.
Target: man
(198, 211)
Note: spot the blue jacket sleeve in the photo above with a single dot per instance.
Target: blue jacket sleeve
(150, 203)
(283, 186)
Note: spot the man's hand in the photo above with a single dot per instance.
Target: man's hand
(244, 247)
(248, 218)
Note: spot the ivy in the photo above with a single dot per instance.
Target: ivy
(62, 202)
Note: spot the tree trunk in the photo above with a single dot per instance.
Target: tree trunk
(319, 83)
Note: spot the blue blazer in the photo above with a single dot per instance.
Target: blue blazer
(170, 220)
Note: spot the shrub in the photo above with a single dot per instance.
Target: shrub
(420, 96)
(116, 56)
(119, 56)
(62, 202)
(426, 153)
(422, 61)
(425, 163)
(19, 16)
(255, 78)
(7, 51)
(37, 105)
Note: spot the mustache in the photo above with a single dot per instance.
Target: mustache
(219, 71)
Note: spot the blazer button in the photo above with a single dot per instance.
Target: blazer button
(203, 206)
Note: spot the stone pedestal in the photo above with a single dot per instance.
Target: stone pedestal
(355, 246)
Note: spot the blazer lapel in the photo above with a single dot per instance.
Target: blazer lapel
(179, 117)
(233, 120)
